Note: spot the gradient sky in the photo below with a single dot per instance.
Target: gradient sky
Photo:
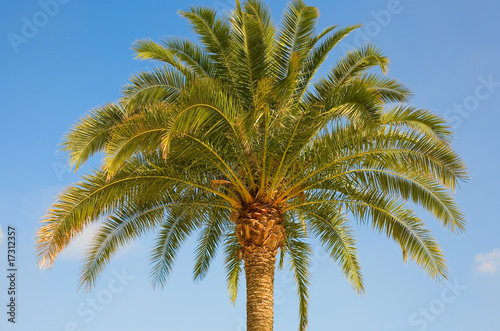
(78, 58)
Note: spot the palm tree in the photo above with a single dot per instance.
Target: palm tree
(236, 139)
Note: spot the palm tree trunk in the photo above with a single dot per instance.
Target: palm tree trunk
(260, 231)
(259, 273)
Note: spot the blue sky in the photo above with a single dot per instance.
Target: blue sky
(79, 56)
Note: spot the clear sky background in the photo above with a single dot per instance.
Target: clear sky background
(78, 58)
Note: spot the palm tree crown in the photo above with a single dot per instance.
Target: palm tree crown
(235, 138)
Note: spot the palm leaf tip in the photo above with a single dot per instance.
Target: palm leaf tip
(45, 246)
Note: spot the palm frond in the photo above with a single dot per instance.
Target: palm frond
(179, 224)
(352, 65)
(331, 227)
(139, 133)
(300, 261)
(296, 35)
(91, 133)
(127, 224)
(318, 55)
(210, 239)
(233, 262)
(421, 121)
(197, 60)
(147, 88)
(252, 35)
(388, 89)
(215, 35)
(146, 49)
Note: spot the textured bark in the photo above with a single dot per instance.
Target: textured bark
(259, 273)
(260, 231)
